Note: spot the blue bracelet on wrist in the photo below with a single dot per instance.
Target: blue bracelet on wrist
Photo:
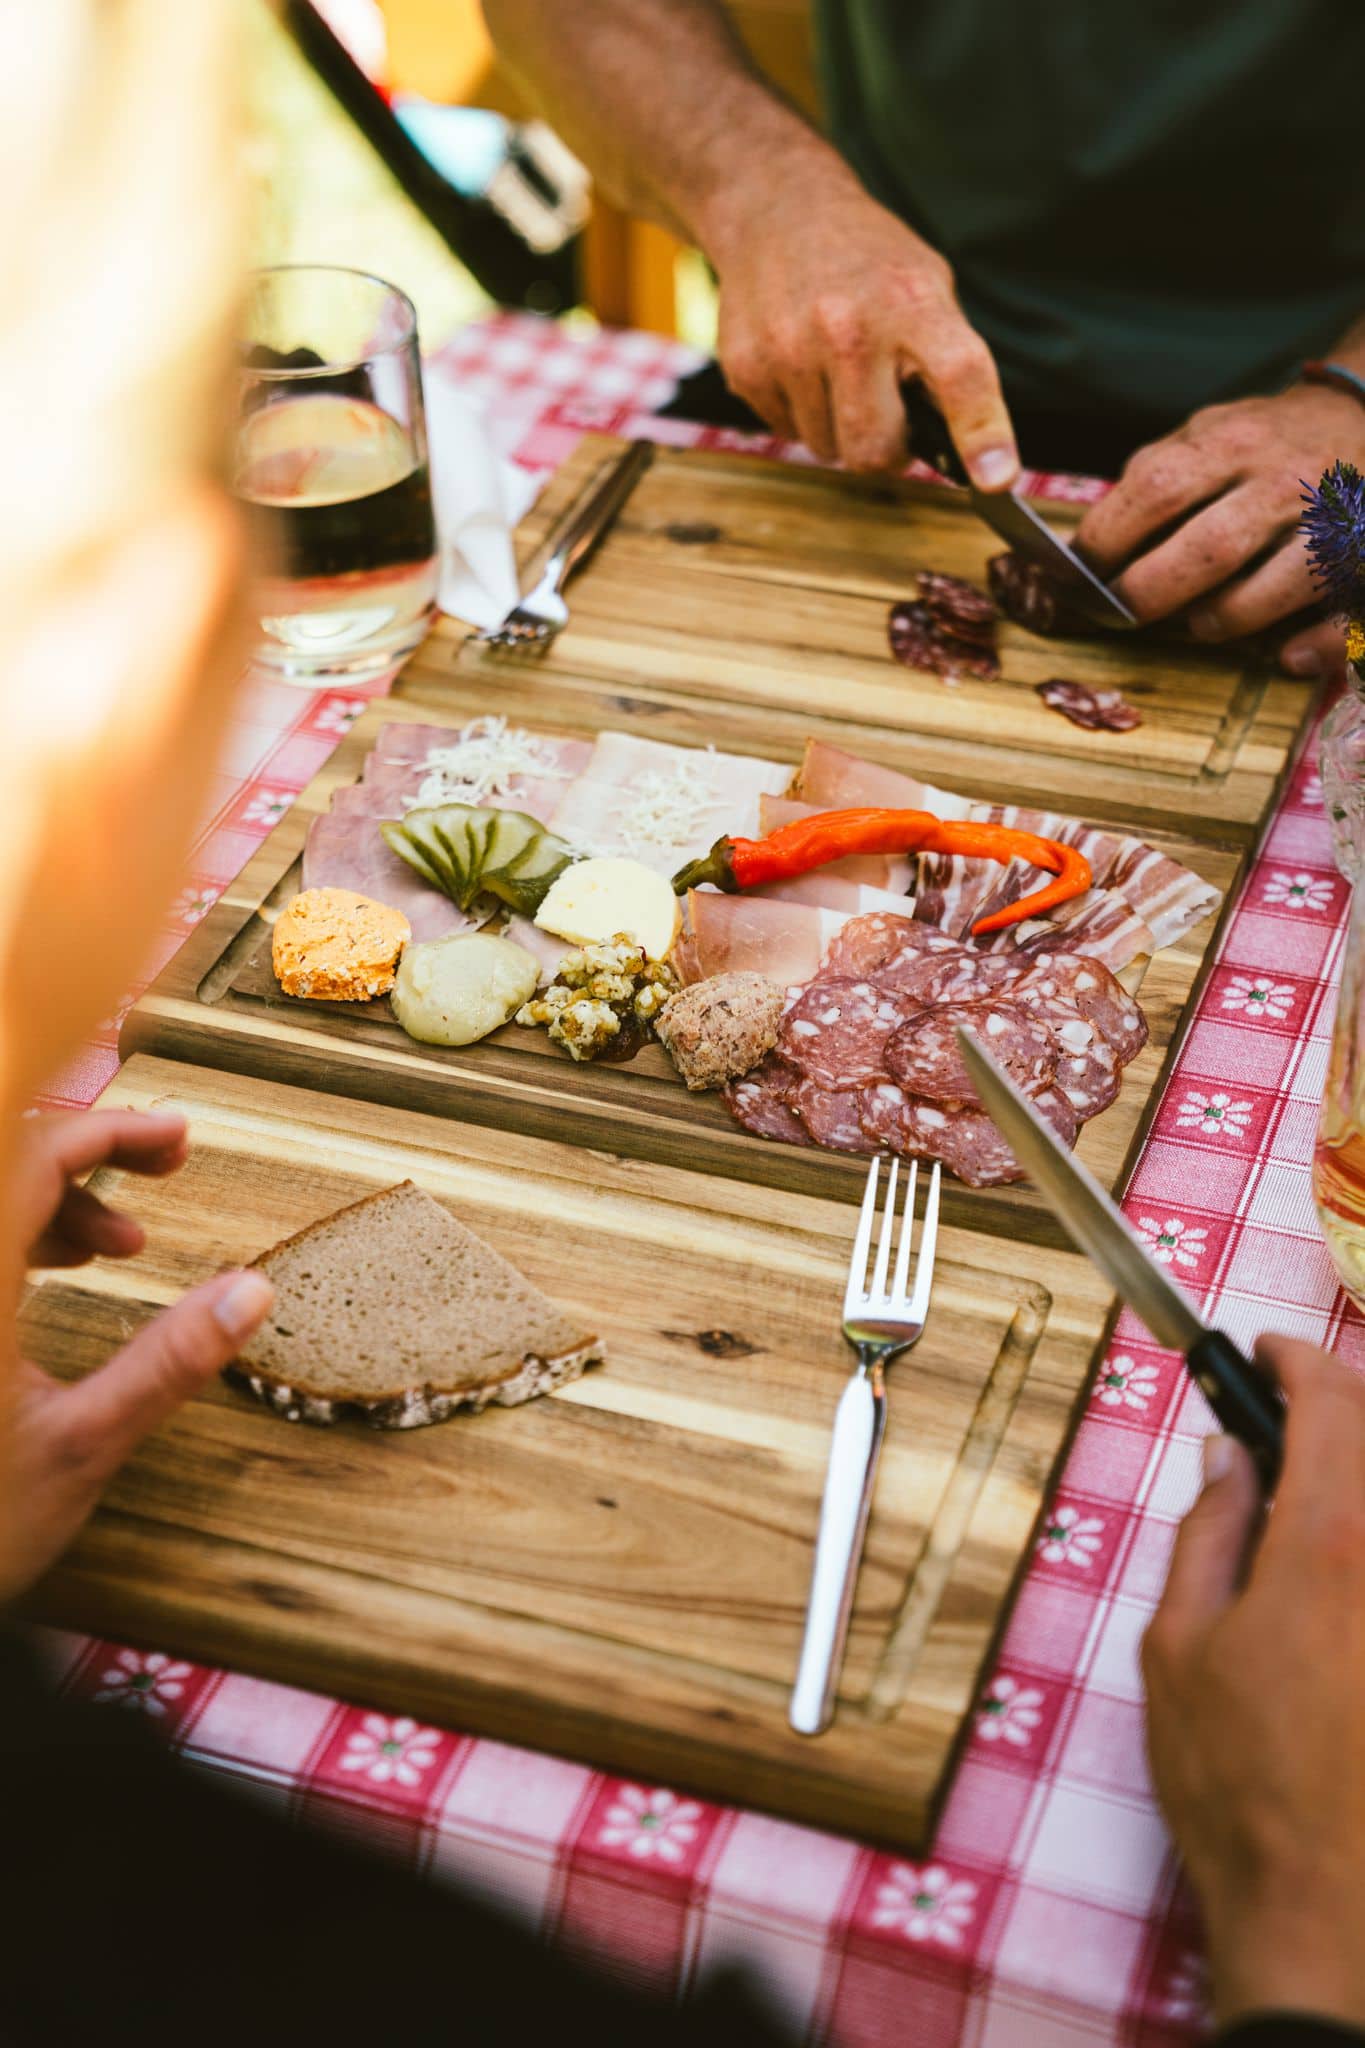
(1331, 373)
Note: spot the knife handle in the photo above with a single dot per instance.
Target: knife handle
(1245, 1399)
(930, 440)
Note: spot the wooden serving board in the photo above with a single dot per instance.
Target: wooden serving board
(618, 1572)
(744, 603)
(218, 1003)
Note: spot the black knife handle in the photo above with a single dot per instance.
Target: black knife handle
(1245, 1399)
(929, 436)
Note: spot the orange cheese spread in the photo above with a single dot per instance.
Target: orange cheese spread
(337, 947)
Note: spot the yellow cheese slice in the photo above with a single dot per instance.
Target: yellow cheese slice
(595, 899)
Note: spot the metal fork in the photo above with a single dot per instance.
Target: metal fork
(534, 621)
(879, 1322)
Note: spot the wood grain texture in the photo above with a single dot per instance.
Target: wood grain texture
(217, 1002)
(618, 1572)
(746, 602)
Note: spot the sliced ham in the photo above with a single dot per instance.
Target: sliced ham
(349, 853)
(785, 941)
(660, 804)
(834, 781)
(365, 800)
(401, 752)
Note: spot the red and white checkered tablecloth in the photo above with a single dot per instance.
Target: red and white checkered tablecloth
(1050, 1907)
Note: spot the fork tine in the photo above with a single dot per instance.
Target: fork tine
(878, 1288)
(857, 1265)
(928, 1239)
(907, 1230)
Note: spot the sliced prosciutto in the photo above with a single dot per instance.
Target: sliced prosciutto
(835, 781)
(785, 941)
(660, 804)
(348, 853)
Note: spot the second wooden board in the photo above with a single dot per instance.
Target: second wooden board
(218, 1003)
(617, 1572)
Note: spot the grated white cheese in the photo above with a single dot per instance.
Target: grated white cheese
(484, 763)
(665, 814)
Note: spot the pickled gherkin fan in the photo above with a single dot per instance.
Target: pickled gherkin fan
(467, 850)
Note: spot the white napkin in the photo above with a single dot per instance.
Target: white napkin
(478, 495)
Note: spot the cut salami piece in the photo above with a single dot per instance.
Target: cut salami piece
(864, 944)
(965, 976)
(923, 1055)
(920, 638)
(921, 954)
(831, 1117)
(759, 1102)
(1031, 598)
(1087, 988)
(836, 1031)
(1095, 710)
(960, 607)
(1054, 1108)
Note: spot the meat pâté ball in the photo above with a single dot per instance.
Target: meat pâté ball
(717, 1030)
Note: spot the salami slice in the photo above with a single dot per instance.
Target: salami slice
(1095, 710)
(962, 609)
(831, 1117)
(1088, 1076)
(836, 1031)
(1054, 1108)
(1028, 595)
(920, 639)
(924, 1058)
(759, 1102)
(972, 977)
(861, 946)
(964, 1139)
(921, 951)
(885, 1111)
(1093, 992)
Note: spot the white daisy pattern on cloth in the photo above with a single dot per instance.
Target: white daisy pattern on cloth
(337, 715)
(1299, 891)
(391, 1752)
(147, 1683)
(651, 1825)
(114, 1021)
(1009, 1712)
(927, 1904)
(194, 904)
(1069, 1537)
(267, 807)
(1186, 1992)
(1260, 997)
(1312, 793)
(1217, 1116)
(1171, 1242)
(1123, 1383)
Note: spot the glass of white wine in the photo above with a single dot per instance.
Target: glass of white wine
(331, 461)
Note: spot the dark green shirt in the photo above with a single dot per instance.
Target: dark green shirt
(1149, 204)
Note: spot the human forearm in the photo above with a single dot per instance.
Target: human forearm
(659, 99)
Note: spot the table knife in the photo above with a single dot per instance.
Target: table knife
(1017, 522)
(1246, 1402)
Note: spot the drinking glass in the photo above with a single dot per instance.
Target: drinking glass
(331, 461)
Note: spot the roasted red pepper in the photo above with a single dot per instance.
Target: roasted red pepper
(827, 836)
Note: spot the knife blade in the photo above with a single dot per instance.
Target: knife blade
(1240, 1394)
(1017, 522)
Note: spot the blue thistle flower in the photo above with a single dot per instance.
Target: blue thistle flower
(1333, 526)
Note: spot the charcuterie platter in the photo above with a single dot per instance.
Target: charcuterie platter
(222, 1000)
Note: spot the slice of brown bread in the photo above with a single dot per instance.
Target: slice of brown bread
(393, 1311)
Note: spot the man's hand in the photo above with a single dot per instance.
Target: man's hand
(828, 304)
(1255, 1668)
(64, 1225)
(67, 1441)
(1208, 519)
